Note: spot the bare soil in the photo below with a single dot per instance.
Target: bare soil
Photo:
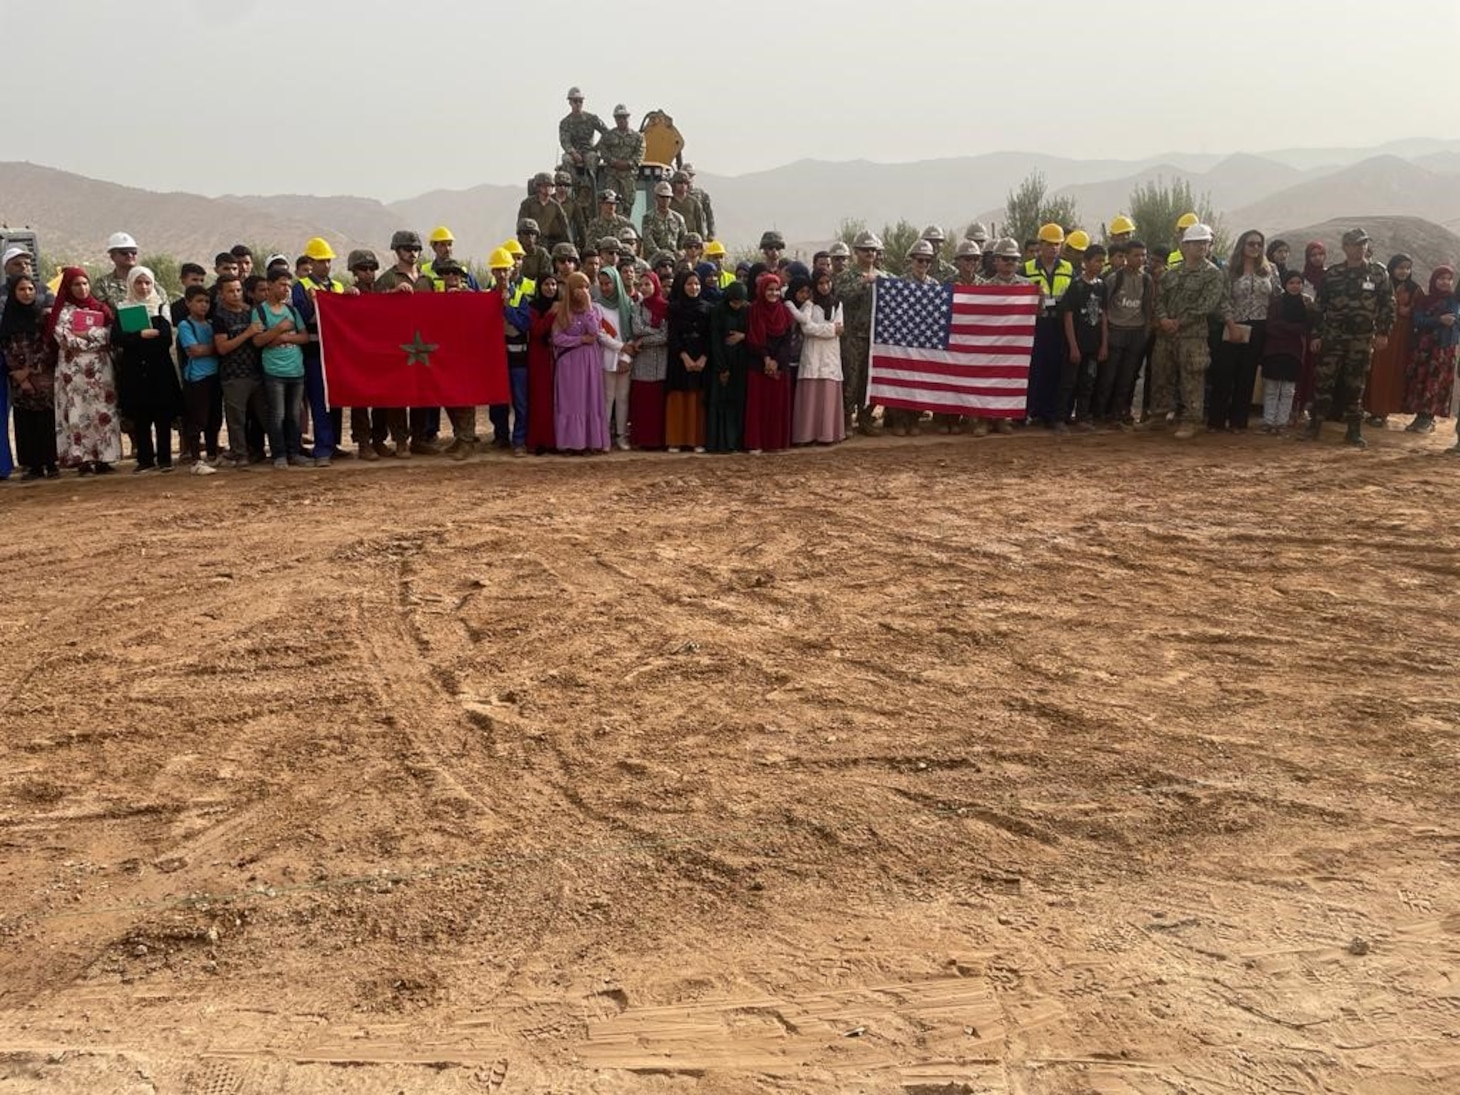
(1112, 766)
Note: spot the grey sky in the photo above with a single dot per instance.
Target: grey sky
(389, 98)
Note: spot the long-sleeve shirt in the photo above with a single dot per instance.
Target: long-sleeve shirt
(1190, 294)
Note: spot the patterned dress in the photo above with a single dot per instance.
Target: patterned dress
(87, 427)
(1432, 371)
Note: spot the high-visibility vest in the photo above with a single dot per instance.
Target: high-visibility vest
(1052, 285)
(333, 286)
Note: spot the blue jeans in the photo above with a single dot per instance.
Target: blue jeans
(6, 464)
(286, 397)
(326, 424)
(497, 412)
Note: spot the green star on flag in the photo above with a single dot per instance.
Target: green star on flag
(418, 351)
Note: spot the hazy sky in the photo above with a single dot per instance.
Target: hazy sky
(389, 98)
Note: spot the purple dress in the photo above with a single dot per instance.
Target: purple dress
(579, 414)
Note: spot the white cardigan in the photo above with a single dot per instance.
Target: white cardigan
(821, 348)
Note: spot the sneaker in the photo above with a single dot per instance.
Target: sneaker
(298, 462)
(85, 470)
(30, 475)
(672, 448)
(143, 469)
(52, 472)
(202, 467)
(401, 452)
(281, 462)
(342, 454)
(164, 468)
(698, 448)
(623, 444)
(522, 451)
(980, 427)
(321, 462)
(1184, 432)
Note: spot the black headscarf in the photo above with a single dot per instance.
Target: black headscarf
(1408, 283)
(1294, 305)
(1273, 247)
(19, 319)
(683, 307)
(828, 302)
(709, 283)
(798, 282)
(540, 303)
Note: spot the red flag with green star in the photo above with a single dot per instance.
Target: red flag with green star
(413, 349)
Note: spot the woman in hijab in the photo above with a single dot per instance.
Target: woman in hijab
(710, 291)
(1289, 325)
(88, 435)
(151, 392)
(32, 378)
(1432, 370)
(579, 420)
(1278, 253)
(646, 385)
(1315, 255)
(817, 415)
(689, 353)
(541, 435)
(729, 367)
(1384, 394)
(768, 387)
(616, 312)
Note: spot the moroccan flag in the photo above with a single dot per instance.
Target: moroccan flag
(952, 349)
(413, 349)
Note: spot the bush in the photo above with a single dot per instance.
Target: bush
(1157, 205)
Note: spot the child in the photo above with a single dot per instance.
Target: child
(1130, 303)
(281, 340)
(202, 396)
(239, 376)
(1432, 369)
(1087, 335)
(1289, 320)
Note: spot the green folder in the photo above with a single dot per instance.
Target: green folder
(133, 318)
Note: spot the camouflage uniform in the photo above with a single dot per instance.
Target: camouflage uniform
(601, 226)
(551, 217)
(628, 145)
(856, 298)
(577, 222)
(575, 134)
(1190, 294)
(112, 290)
(693, 213)
(707, 209)
(663, 231)
(536, 264)
(1355, 304)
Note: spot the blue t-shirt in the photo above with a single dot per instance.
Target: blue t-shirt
(190, 332)
(284, 360)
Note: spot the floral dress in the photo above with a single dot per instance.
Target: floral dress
(87, 427)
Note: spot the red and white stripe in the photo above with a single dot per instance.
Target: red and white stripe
(984, 371)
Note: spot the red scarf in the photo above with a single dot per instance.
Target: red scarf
(69, 277)
(768, 319)
(657, 306)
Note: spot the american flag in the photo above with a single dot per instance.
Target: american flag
(952, 349)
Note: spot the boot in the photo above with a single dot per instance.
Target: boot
(865, 424)
(367, 452)
(1314, 429)
(1355, 434)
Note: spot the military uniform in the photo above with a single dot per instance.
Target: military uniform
(856, 298)
(693, 214)
(707, 209)
(626, 145)
(1355, 304)
(536, 264)
(601, 226)
(576, 133)
(663, 231)
(112, 290)
(1190, 294)
(551, 217)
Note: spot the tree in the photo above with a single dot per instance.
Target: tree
(896, 240)
(165, 269)
(1031, 205)
(1156, 206)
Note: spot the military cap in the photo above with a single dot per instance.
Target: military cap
(692, 239)
(562, 178)
(920, 250)
(679, 177)
(448, 266)
(609, 243)
(543, 178)
(575, 93)
(977, 232)
(661, 258)
(528, 224)
(628, 234)
(663, 190)
(1007, 248)
(934, 233)
(608, 196)
(772, 238)
(405, 238)
(565, 250)
(1355, 235)
(840, 250)
(865, 241)
(362, 258)
(967, 249)
(620, 111)
(688, 169)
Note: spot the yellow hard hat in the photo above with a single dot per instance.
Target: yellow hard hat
(318, 249)
(1187, 220)
(500, 259)
(442, 234)
(513, 248)
(1121, 224)
(1051, 233)
(714, 249)
(1078, 240)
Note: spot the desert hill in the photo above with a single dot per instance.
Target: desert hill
(1429, 244)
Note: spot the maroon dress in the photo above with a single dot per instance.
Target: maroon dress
(541, 433)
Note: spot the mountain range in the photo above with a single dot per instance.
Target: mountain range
(805, 200)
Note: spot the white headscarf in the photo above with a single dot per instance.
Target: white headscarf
(153, 299)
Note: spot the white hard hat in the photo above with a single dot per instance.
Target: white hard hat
(120, 241)
(12, 253)
(1198, 233)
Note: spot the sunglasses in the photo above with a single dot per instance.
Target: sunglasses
(412, 250)
(126, 251)
(922, 258)
(1253, 243)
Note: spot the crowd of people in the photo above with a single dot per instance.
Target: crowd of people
(611, 347)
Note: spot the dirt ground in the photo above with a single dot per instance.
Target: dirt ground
(1111, 765)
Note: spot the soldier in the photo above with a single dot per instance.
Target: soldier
(1005, 256)
(111, 288)
(840, 254)
(772, 244)
(621, 151)
(547, 211)
(854, 288)
(694, 249)
(628, 238)
(968, 260)
(687, 205)
(577, 134)
(920, 258)
(1355, 308)
(607, 223)
(704, 199)
(608, 253)
(574, 210)
(940, 268)
(663, 228)
(1190, 294)
(979, 234)
(536, 259)
(565, 261)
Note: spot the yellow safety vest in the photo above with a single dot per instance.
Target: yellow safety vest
(1052, 285)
